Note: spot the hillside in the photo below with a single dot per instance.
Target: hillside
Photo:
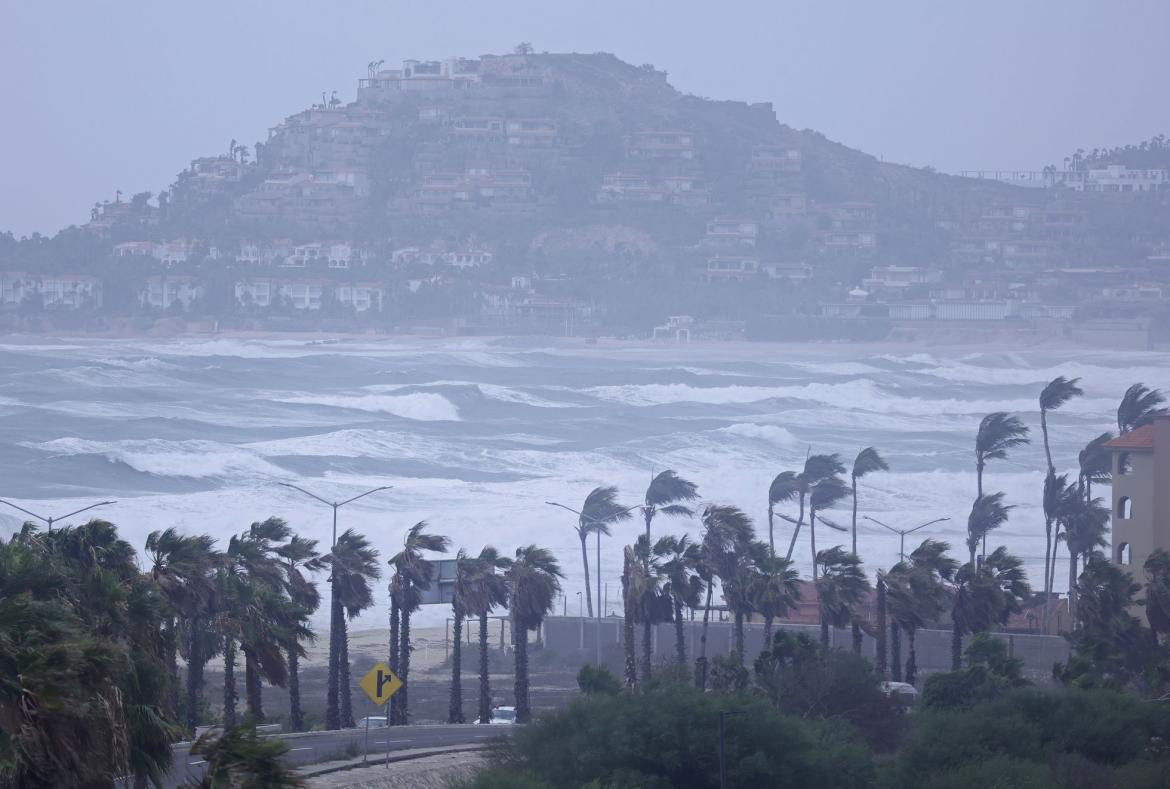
(566, 190)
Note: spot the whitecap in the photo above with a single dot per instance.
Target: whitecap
(420, 406)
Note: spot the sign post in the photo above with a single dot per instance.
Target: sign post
(379, 683)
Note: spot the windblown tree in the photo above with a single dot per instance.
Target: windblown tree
(773, 591)
(182, 567)
(817, 468)
(785, 487)
(666, 494)
(988, 513)
(1086, 523)
(461, 602)
(918, 593)
(881, 663)
(650, 601)
(533, 584)
(1096, 464)
(737, 571)
(998, 433)
(724, 527)
(353, 567)
(823, 495)
(867, 462)
(487, 590)
(1139, 405)
(984, 597)
(842, 588)
(413, 575)
(684, 587)
(1055, 394)
(600, 509)
(298, 557)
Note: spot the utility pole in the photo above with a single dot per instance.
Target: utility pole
(903, 532)
(51, 521)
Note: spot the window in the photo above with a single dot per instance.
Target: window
(1123, 553)
(1124, 508)
(1124, 463)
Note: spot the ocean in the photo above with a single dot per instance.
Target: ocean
(476, 435)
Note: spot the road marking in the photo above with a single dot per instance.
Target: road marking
(306, 748)
(192, 764)
(390, 742)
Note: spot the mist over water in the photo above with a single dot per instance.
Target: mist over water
(475, 436)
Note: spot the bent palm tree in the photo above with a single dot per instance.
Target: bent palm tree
(1096, 464)
(664, 495)
(785, 487)
(533, 584)
(683, 584)
(985, 597)
(597, 513)
(824, 494)
(353, 566)
(413, 576)
(998, 432)
(987, 514)
(773, 590)
(867, 461)
(488, 590)
(1139, 405)
(1055, 394)
(462, 601)
(724, 527)
(841, 589)
(816, 469)
(1085, 526)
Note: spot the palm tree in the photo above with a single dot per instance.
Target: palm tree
(683, 584)
(824, 494)
(737, 569)
(353, 566)
(649, 602)
(773, 590)
(1139, 405)
(597, 513)
(1086, 523)
(816, 469)
(1096, 464)
(867, 461)
(1055, 394)
(182, 568)
(487, 589)
(724, 527)
(664, 494)
(918, 593)
(632, 575)
(985, 597)
(414, 574)
(462, 602)
(785, 487)
(841, 589)
(987, 514)
(998, 432)
(880, 635)
(1055, 505)
(298, 557)
(533, 584)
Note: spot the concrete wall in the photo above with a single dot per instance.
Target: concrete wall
(564, 636)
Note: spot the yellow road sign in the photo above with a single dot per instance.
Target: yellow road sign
(380, 684)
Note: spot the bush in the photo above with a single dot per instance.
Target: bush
(597, 679)
(668, 736)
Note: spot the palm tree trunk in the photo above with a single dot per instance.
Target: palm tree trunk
(858, 641)
(628, 647)
(768, 618)
(403, 666)
(912, 658)
(1047, 569)
(485, 688)
(455, 707)
(824, 631)
(332, 715)
(172, 707)
(345, 698)
(1044, 432)
(680, 643)
(812, 540)
(739, 636)
(1072, 589)
(520, 637)
(956, 645)
(796, 529)
(394, 619)
(194, 674)
(585, 564)
(252, 687)
(647, 645)
(895, 652)
(1050, 581)
(880, 647)
(229, 682)
(296, 716)
(854, 515)
(771, 533)
(701, 662)
(979, 495)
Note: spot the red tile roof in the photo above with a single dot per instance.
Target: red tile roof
(1141, 438)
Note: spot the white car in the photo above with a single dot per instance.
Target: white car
(374, 721)
(502, 716)
(902, 692)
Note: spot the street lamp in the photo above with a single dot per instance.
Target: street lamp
(723, 714)
(599, 522)
(903, 532)
(51, 521)
(333, 623)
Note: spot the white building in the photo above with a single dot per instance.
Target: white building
(164, 292)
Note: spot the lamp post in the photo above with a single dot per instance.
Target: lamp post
(51, 521)
(333, 623)
(903, 532)
(723, 714)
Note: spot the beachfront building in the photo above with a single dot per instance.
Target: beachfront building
(1141, 495)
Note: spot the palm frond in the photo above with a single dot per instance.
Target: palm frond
(998, 432)
(1059, 391)
(668, 487)
(867, 461)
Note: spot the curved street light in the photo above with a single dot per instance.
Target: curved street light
(903, 532)
(51, 520)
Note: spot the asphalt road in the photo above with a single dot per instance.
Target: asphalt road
(324, 746)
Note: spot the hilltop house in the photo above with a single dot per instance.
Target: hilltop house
(163, 292)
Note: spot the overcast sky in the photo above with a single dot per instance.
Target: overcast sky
(121, 94)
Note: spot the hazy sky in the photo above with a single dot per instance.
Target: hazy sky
(109, 94)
